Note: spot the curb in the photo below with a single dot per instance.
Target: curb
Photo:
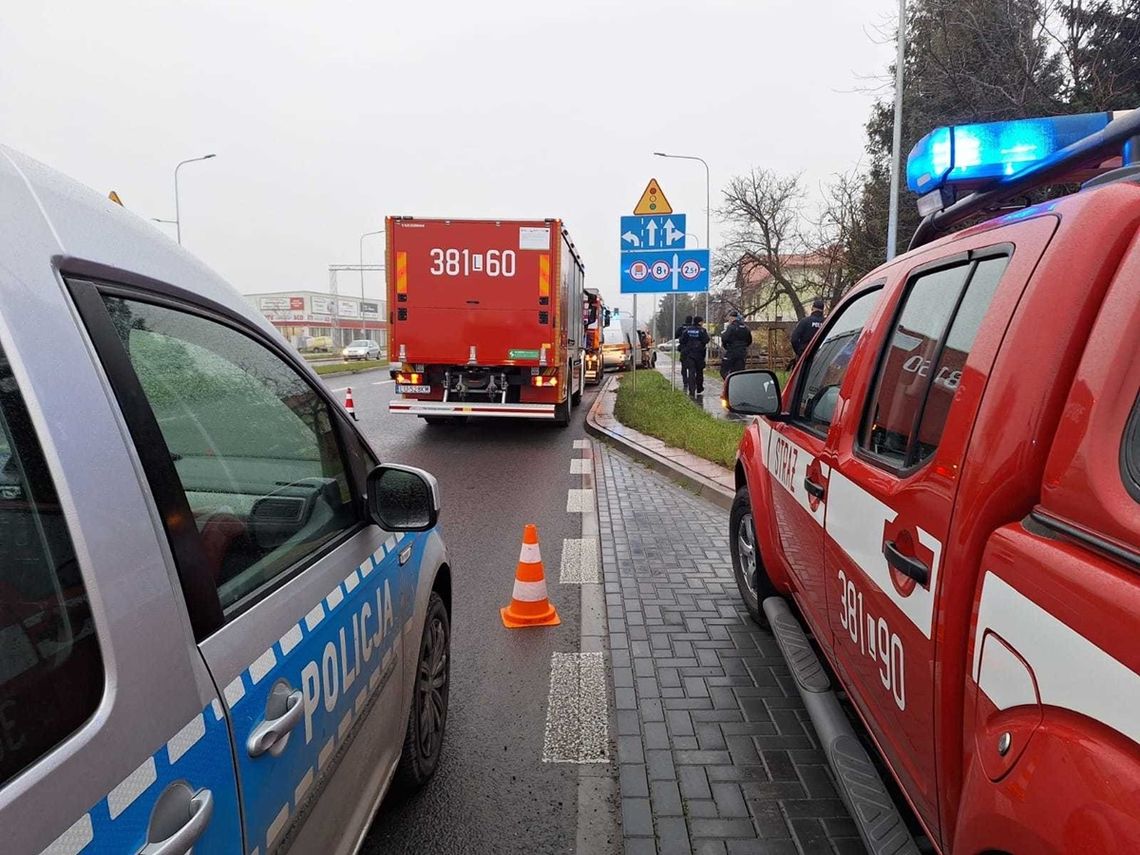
(694, 481)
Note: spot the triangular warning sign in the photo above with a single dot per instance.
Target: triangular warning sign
(653, 201)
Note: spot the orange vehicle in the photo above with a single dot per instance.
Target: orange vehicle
(595, 317)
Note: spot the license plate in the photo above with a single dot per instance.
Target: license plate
(413, 390)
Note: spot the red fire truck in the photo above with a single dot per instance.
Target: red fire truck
(948, 494)
(486, 319)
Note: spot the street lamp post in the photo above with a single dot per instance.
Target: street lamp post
(708, 208)
(363, 323)
(177, 215)
(893, 208)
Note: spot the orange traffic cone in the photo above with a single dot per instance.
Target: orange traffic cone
(349, 407)
(529, 605)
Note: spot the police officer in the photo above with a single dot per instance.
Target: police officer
(806, 328)
(734, 342)
(679, 336)
(693, 343)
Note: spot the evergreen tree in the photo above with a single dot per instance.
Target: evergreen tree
(966, 61)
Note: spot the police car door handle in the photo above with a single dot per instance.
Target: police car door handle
(905, 564)
(814, 489)
(201, 808)
(272, 733)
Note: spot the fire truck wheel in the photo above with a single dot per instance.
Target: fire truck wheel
(747, 563)
(444, 420)
(576, 397)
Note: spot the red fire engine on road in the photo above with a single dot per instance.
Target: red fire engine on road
(948, 491)
(486, 318)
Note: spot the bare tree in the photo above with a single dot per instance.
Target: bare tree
(833, 230)
(778, 249)
(765, 216)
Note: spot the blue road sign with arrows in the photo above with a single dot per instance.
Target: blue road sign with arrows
(665, 270)
(657, 232)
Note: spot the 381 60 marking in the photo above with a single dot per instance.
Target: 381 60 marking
(874, 638)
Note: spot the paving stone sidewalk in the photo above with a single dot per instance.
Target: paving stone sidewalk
(716, 751)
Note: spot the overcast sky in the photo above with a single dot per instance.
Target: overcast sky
(326, 116)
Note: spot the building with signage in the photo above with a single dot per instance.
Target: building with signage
(303, 316)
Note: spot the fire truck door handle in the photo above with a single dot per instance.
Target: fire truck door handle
(813, 488)
(910, 567)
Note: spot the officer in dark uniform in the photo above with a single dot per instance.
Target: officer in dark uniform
(679, 336)
(734, 342)
(806, 329)
(693, 344)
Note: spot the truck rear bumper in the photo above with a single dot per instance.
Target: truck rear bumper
(446, 408)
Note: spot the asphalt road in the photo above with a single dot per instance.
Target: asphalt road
(492, 791)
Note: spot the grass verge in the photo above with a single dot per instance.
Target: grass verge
(348, 367)
(653, 407)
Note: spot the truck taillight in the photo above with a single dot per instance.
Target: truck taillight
(410, 378)
(540, 380)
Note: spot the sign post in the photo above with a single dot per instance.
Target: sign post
(653, 255)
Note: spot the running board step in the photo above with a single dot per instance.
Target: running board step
(880, 824)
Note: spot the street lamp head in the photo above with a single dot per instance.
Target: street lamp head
(208, 156)
(660, 154)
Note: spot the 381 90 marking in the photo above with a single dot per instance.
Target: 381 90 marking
(874, 638)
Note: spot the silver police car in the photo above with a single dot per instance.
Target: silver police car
(222, 624)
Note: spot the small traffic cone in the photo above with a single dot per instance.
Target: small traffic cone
(529, 604)
(349, 407)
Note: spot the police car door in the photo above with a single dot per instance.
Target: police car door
(95, 754)
(891, 494)
(296, 601)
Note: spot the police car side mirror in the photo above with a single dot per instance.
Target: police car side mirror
(402, 498)
(752, 393)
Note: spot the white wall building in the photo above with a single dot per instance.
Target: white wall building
(304, 315)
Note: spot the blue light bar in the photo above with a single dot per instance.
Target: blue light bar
(972, 153)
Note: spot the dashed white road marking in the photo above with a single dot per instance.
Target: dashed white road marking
(579, 561)
(342, 389)
(383, 382)
(579, 501)
(581, 465)
(576, 710)
(581, 443)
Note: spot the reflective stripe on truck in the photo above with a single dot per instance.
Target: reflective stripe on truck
(446, 408)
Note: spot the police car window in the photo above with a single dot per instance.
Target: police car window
(921, 368)
(252, 443)
(827, 364)
(51, 671)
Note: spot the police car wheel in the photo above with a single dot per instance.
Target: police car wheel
(747, 563)
(423, 742)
